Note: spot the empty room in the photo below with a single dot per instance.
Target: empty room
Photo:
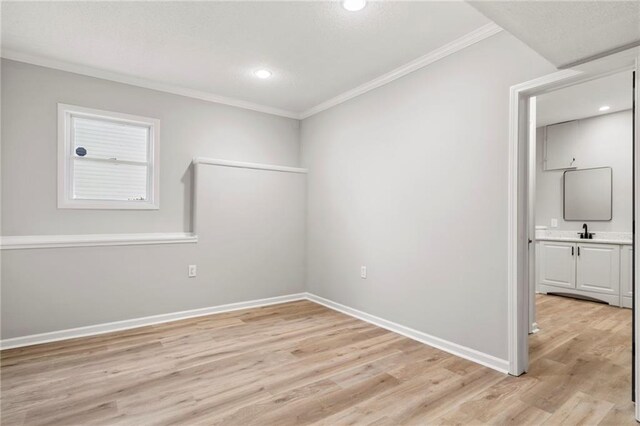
(319, 212)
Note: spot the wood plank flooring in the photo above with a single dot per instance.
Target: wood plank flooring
(301, 363)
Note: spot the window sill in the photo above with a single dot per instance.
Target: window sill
(108, 205)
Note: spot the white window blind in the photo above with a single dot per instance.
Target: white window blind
(109, 160)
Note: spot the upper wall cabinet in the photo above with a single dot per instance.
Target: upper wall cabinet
(561, 146)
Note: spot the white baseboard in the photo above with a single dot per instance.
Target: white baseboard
(93, 330)
(501, 365)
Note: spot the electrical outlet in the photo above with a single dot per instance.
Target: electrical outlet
(192, 271)
(363, 272)
(554, 223)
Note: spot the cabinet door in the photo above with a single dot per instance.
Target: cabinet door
(561, 145)
(557, 265)
(598, 268)
(626, 274)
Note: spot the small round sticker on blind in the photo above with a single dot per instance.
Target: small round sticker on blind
(81, 151)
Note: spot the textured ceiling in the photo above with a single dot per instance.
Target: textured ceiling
(583, 100)
(316, 50)
(566, 32)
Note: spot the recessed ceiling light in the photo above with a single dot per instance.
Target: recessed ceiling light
(604, 108)
(262, 73)
(354, 5)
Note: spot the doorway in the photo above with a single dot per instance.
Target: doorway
(581, 192)
(522, 232)
(581, 252)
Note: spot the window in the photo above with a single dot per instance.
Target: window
(107, 160)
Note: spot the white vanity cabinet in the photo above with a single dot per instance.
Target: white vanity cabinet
(583, 269)
(626, 276)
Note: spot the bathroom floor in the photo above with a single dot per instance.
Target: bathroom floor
(581, 358)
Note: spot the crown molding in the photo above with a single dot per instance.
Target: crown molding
(142, 82)
(467, 40)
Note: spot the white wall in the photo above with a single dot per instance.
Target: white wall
(411, 180)
(251, 237)
(606, 140)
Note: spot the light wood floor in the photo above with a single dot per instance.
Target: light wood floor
(301, 363)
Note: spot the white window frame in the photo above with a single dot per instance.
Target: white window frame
(65, 144)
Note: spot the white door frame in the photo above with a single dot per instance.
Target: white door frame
(531, 214)
(518, 232)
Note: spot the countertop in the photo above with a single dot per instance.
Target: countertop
(622, 238)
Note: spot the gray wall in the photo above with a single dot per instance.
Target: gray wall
(411, 180)
(251, 238)
(606, 140)
(188, 127)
